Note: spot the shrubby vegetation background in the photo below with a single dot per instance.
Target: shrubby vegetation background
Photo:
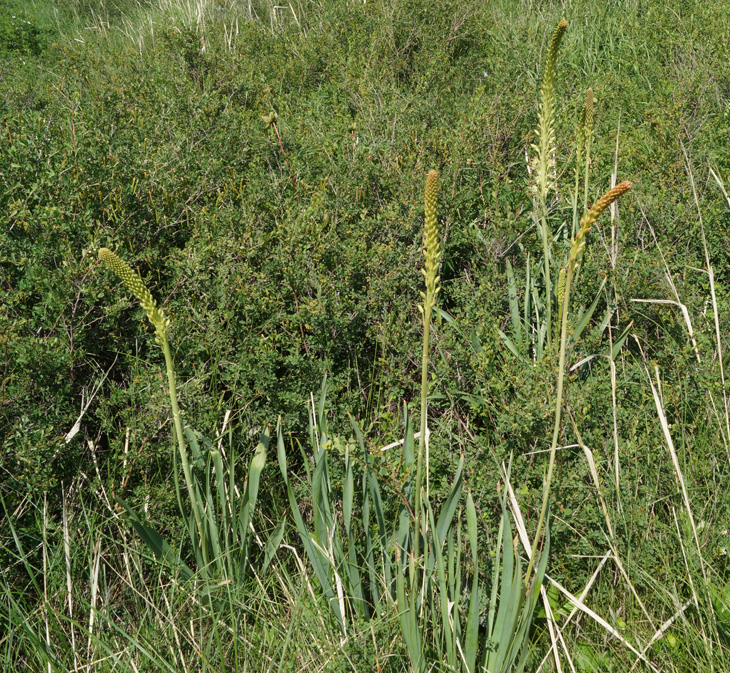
(262, 167)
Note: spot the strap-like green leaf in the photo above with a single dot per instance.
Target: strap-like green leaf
(157, 544)
(272, 545)
(618, 344)
(437, 551)
(587, 315)
(471, 641)
(514, 307)
(452, 502)
(508, 342)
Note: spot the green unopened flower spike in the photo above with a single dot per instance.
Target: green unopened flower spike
(431, 249)
(589, 111)
(136, 286)
(585, 128)
(157, 317)
(561, 287)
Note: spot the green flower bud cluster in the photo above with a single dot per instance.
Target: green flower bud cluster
(561, 288)
(585, 129)
(136, 286)
(431, 248)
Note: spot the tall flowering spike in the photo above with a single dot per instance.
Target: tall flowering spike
(589, 111)
(134, 284)
(431, 250)
(605, 201)
(593, 214)
(561, 286)
(555, 44)
(585, 127)
(545, 164)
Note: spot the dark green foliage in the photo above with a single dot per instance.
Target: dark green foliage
(19, 34)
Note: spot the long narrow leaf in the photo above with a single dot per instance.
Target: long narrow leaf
(514, 307)
(444, 597)
(618, 344)
(508, 342)
(452, 502)
(156, 543)
(471, 641)
(272, 545)
(319, 562)
(587, 315)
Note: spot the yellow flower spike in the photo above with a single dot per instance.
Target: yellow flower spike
(605, 201)
(593, 214)
(136, 286)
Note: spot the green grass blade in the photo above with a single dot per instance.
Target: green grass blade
(319, 561)
(408, 619)
(194, 446)
(443, 595)
(23, 557)
(371, 494)
(495, 581)
(471, 641)
(409, 450)
(476, 344)
(527, 308)
(321, 420)
(156, 543)
(588, 314)
(509, 599)
(618, 344)
(224, 527)
(272, 546)
(452, 502)
(508, 342)
(514, 307)
(348, 492)
(255, 468)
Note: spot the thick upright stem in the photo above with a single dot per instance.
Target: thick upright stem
(177, 422)
(548, 282)
(424, 423)
(556, 425)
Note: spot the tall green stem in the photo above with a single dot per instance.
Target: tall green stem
(556, 424)
(432, 254)
(177, 422)
(576, 251)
